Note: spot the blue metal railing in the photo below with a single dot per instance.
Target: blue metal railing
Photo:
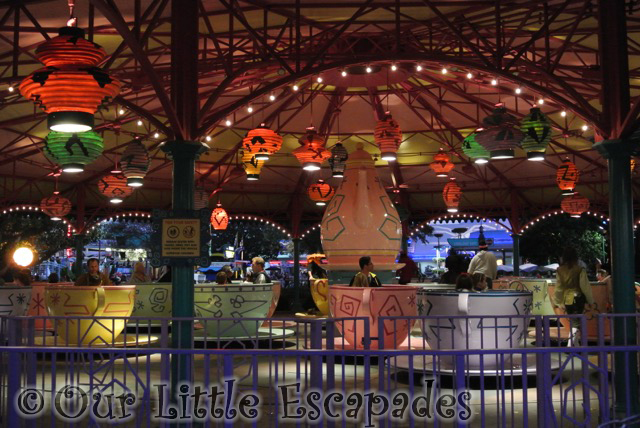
(529, 380)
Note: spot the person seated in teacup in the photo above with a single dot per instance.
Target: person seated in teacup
(479, 281)
(139, 275)
(22, 278)
(226, 269)
(222, 278)
(259, 276)
(93, 276)
(464, 282)
(365, 278)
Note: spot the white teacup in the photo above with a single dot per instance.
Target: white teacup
(235, 302)
(497, 330)
(14, 300)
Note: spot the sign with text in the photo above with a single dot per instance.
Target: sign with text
(181, 237)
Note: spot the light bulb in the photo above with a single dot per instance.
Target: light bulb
(494, 82)
(319, 79)
(444, 71)
(394, 67)
(156, 135)
(419, 67)
(368, 69)
(272, 97)
(518, 91)
(344, 73)
(208, 138)
(540, 101)
(469, 76)
(121, 111)
(10, 88)
(250, 109)
(295, 87)
(228, 122)
(139, 123)
(563, 113)
(585, 127)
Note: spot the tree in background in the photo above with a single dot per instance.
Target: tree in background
(258, 239)
(127, 234)
(47, 236)
(544, 242)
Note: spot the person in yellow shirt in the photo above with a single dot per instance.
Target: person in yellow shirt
(573, 291)
(365, 278)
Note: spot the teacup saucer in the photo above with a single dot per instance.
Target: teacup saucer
(263, 334)
(278, 324)
(119, 342)
(422, 363)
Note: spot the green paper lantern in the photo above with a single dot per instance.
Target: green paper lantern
(474, 150)
(537, 133)
(73, 151)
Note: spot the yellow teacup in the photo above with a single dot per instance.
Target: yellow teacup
(320, 294)
(90, 301)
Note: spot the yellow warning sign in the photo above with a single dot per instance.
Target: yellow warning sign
(180, 237)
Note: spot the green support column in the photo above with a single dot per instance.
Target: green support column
(184, 155)
(297, 304)
(622, 273)
(516, 254)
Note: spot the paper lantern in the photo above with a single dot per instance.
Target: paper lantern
(262, 142)
(537, 134)
(567, 177)
(115, 188)
(321, 192)
(474, 150)
(500, 135)
(311, 153)
(388, 137)
(575, 205)
(219, 218)
(252, 166)
(200, 199)
(135, 163)
(73, 151)
(441, 164)
(633, 165)
(70, 88)
(451, 195)
(338, 160)
(55, 206)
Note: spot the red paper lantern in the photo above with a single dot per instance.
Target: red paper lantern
(311, 153)
(70, 88)
(115, 188)
(135, 163)
(451, 195)
(219, 218)
(441, 164)
(567, 177)
(388, 137)
(55, 206)
(575, 205)
(262, 142)
(321, 192)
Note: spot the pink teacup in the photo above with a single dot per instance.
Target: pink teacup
(387, 301)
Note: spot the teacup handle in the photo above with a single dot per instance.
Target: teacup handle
(463, 309)
(102, 301)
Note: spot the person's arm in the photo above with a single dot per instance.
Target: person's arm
(557, 300)
(585, 287)
(472, 265)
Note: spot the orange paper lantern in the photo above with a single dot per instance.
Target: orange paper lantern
(311, 153)
(115, 188)
(55, 206)
(219, 218)
(451, 195)
(575, 205)
(321, 192)
(567, 177)
(262, 142)
(388, 137)
(441, 164)
(252, 166)
(70, 88)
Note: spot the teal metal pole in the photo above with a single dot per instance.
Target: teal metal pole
(618, 152)
(184, 155)
(516, 254)
(297, 304)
